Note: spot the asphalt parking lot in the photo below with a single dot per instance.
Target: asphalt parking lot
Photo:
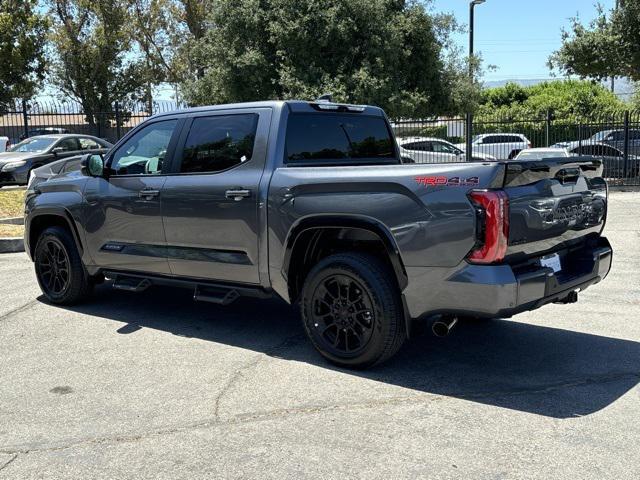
(153, 385)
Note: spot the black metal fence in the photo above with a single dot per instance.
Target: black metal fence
(37, 118)
(615, 137)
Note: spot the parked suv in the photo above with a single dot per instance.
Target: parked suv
(503, 146)
(309, 201)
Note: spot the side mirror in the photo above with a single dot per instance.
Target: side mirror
(92, 165)
(57, 150)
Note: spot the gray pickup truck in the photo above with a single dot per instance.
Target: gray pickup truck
(309, 201)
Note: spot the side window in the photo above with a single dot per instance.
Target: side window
(71, 166)
(513, 139)
(69, 144)
(610, 152)
(419, 146)
(410, 146)
(144, 153)
(88, 144)
(444, 148)
(339, 138)
(218, 143)
(586, 150)
(634, 135)
(491, 139)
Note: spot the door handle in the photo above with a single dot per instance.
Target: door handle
(237, 194)
(148, 193)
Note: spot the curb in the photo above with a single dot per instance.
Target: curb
(12, 221)
(11, 245)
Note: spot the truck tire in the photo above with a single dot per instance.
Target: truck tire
(59, 269)
(351, 310)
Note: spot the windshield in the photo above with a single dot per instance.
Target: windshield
(525, 155)
(35, 145)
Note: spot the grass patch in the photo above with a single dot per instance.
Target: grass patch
(12, 202)
(11, 231)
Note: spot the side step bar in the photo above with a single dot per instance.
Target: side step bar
(131, 284)
(218, 293)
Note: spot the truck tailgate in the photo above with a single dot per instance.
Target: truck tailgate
(553, 204)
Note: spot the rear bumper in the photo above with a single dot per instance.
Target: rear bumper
(503, 290)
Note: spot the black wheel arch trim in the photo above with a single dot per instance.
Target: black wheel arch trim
(59, 212)
(346, 221)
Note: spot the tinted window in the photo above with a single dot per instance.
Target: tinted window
(68, 144)
(145, 151)
(492, 139)
(419, 146)
(218, 143)
(441, 147)
(599, 150)
(337, 137)
(512, 139)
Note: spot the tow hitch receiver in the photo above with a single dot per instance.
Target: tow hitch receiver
(572, 297)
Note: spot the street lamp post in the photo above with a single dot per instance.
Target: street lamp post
(469, 114)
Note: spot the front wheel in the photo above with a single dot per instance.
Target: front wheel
(351, 310)
(59, 270)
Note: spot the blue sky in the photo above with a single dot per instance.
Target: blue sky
(518, 35)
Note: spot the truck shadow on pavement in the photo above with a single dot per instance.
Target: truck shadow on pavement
(542, 370)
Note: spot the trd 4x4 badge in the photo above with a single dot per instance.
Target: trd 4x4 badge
(439, 180)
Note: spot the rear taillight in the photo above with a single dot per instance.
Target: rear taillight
(530, 145)
(493, 231)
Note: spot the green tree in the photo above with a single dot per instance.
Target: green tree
(609, 46)
(22, 42)
(94, 57)
(381, 52)
(562, 98)
(165, 31)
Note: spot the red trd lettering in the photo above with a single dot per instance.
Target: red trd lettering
(432, 180)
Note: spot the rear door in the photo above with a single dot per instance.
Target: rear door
(210, 201)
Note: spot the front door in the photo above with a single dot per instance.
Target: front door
(210, 201)
(122, 215)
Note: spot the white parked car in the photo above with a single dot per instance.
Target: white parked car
(542, 153)
(503, 146)
(434, 150)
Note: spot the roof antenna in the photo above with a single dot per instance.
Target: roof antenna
(325, 98)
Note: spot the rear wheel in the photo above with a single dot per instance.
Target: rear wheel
(351, 310)
(59, 270)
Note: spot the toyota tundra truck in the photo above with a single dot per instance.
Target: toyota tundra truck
(310, 202)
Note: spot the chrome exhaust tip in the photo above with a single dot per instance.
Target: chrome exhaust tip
(443, 326)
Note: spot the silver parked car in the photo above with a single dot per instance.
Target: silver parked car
(434, 150)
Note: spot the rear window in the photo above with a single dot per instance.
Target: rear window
(336, 139)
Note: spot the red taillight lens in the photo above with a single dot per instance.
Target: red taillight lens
(495, 234)
(530, 145)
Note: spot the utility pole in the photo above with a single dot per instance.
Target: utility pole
(469, 129)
